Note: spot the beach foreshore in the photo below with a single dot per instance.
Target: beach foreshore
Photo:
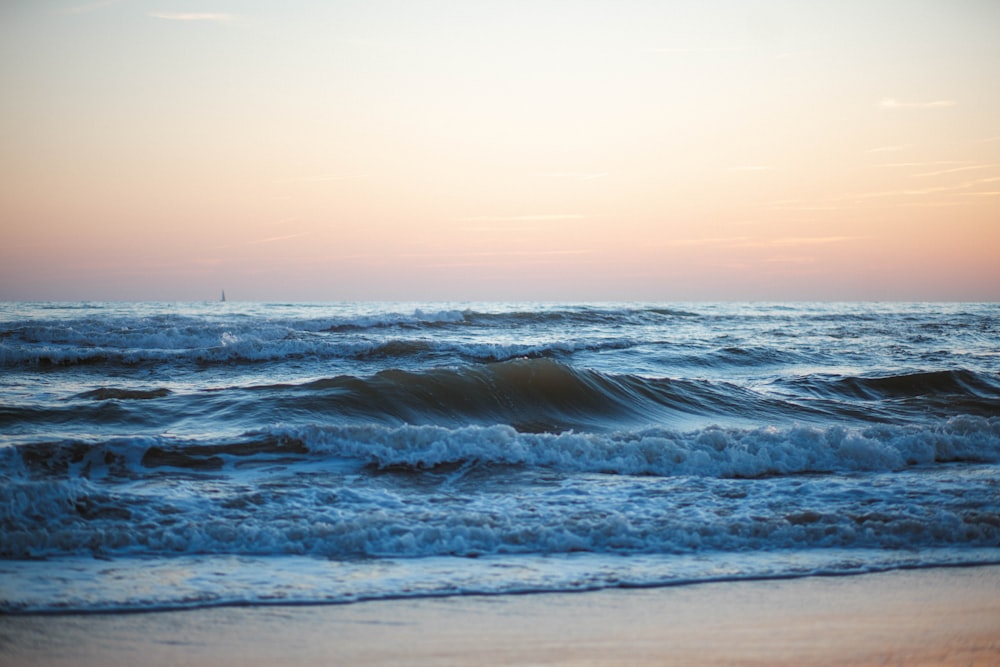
(941, 616)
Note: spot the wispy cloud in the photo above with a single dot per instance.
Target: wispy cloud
(505, 257)
(934, 163)
(813, 240)
(751, 167)
(757, 242)
(892, 103)
(941, 172)
(709, 241)
(967, 185)
(849, 201)
(192, 16)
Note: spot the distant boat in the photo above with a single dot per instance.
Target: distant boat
(223, 295)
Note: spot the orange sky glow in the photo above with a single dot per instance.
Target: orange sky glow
(548, 150)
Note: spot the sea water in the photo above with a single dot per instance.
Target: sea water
(160, 455)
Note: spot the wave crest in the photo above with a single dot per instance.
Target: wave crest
(709, 452)
(712, 452)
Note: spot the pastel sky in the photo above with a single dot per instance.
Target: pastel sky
(545, 149)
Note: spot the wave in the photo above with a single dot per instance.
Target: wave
(529, 394)
(223, 346)
(419, 319)
(486, 352)
(557, 444)
(545, 394)
(77, 417)
(953, 383)
(324, 491)
(717, 452)
(713, 452)
(118, 393)
(748, 357)
(688, 338)
(957, 391)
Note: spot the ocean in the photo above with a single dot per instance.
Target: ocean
(181, 455)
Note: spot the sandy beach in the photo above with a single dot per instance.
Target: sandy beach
(947, 616)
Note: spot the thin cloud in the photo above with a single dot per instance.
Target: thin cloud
(952, 171)
(796, 241)
(967, 185)
(854, 200)
(941, 203)
(751, 167)
(192, 16)
(730, 241)
(757, 242)
(936, 163)
(504, 257)
(892, 103)
(814, 240)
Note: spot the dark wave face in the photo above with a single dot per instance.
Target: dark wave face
(165, 455)
(531, 395)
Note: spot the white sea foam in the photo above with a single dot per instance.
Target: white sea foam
(493, 490)
(715, 451)
(221, 344)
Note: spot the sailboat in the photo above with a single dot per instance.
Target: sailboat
(223, 295)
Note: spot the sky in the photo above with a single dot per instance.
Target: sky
(641, 150)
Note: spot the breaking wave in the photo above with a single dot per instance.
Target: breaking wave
(708, 452)
(55, 499)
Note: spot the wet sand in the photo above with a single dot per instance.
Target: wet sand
(947, 616)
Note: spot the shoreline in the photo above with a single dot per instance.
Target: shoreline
(403, 597)
(933, 616)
